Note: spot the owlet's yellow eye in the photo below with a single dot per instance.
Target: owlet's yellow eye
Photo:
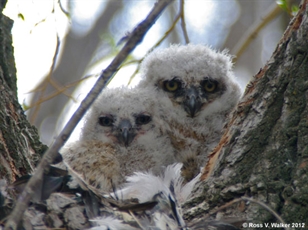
(172, 85)
(209, 86)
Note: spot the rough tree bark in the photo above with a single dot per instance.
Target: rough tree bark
(20, 148)
(264, 153)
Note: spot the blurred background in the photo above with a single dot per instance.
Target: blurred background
(62, 46)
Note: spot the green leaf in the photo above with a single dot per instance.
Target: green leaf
(283, 4)
(294, 10)
(21, 16)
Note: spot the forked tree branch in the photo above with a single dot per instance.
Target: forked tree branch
(134, 39)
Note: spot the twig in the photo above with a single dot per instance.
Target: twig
(183, 24)
(54, 59)
(59, 91)
(135, 38)
(136, 219)
(243, 198)
(267, 208)
(63, 10)
(135, 72)
(49, 76)
(253, 31)
(234, 201)
(177, 18)
(166, 33)
(36, 109)
(60, 88)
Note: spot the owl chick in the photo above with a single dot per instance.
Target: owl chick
(122, 133)
(196, 90)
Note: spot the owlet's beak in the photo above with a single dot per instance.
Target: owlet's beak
(126, 133)
(192, 103)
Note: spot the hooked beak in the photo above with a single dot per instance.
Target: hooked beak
(126, 134)
(192, 103)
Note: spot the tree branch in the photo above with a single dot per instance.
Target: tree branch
(183, 24)
(253, 32)
(177, 18)
(41, 98)
(135, 38)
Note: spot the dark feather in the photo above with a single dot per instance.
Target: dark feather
(58, 159)
(91, 202)
(54, 181)
(50, 185)
(137, 207)
(55, 171)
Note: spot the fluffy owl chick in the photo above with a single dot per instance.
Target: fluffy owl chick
(196, 90)
(122, 133)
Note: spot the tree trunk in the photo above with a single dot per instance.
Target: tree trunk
(20, 147)
(264, 153)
